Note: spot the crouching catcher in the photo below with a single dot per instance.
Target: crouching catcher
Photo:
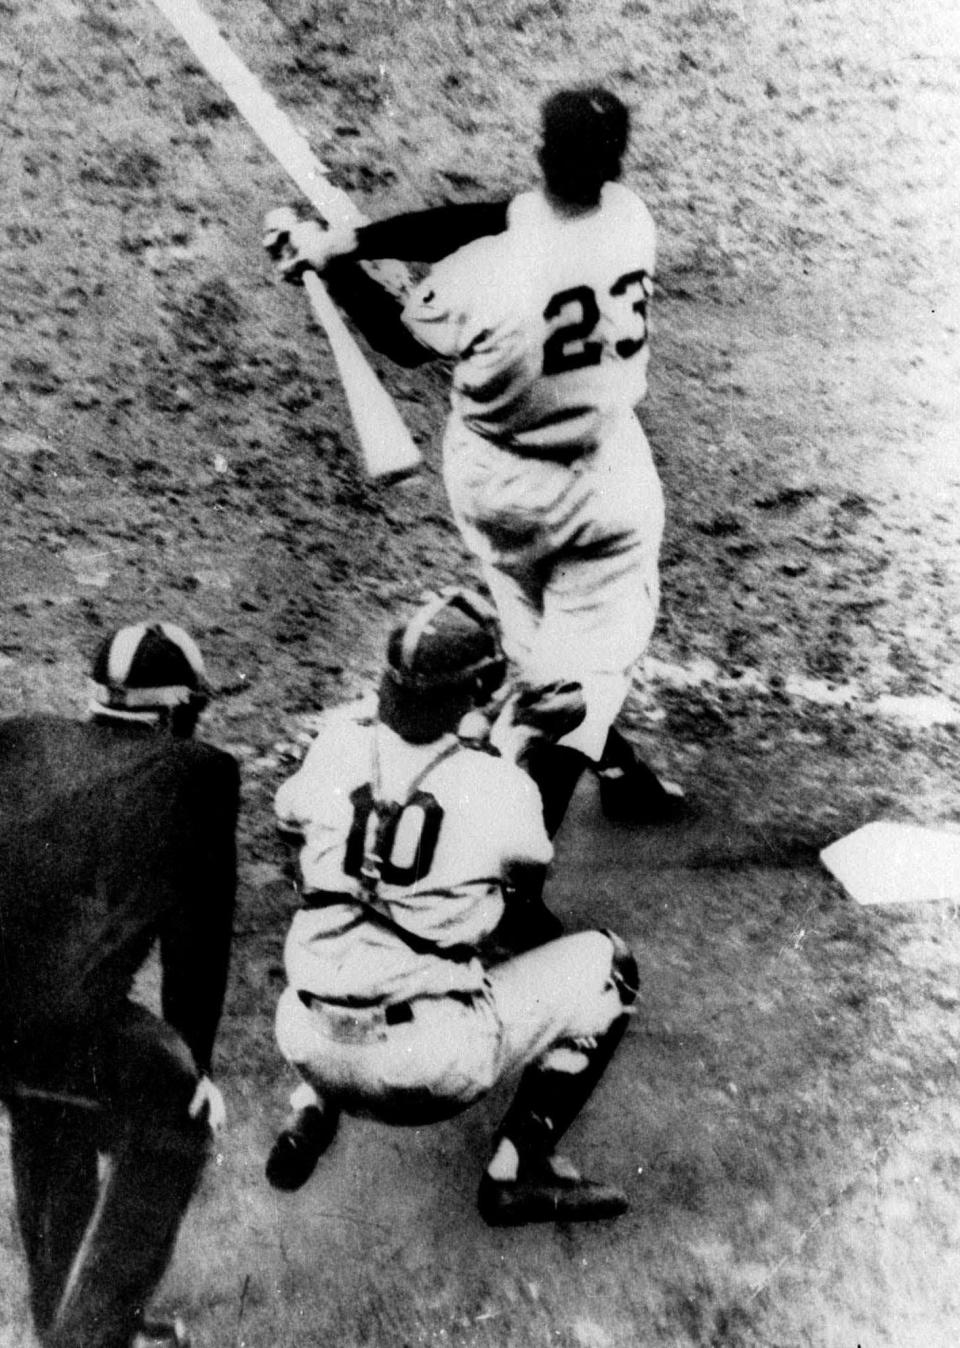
(411, 840)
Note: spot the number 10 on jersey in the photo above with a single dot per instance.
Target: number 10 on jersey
(572, 345)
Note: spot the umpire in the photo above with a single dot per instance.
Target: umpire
(115, 834)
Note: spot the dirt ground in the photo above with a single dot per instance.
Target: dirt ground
(174, 442)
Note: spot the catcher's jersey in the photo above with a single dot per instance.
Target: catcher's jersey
(470, 815)
(547, 322)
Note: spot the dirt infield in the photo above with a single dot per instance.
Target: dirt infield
(173, 441)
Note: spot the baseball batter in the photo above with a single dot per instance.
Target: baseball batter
(547, 467)
(409, 838)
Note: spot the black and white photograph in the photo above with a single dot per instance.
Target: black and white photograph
(479, 674)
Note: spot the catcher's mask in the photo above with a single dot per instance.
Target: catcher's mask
(151, 668)
(443, 661)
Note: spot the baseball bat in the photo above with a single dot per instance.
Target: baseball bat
(387, 449)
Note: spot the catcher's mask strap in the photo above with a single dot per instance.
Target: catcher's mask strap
(417, 625)
(474, 605)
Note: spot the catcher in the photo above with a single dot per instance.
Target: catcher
(411, 838)
(115, 833)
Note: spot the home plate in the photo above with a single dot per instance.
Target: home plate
(896, 863)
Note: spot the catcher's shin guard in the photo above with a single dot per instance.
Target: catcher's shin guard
(548, 1099)
(527, 922)
(556, 769)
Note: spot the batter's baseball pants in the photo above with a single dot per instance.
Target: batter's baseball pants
(570, 554)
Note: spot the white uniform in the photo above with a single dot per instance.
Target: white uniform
(385, 1027)
(548, 470)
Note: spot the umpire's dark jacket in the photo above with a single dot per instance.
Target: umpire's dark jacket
(111, 837)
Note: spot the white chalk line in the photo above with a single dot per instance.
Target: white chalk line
(921, 710)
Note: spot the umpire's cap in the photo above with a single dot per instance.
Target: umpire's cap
(443, 661)
(149, 667)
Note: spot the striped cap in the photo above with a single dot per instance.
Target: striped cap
(441, 662)
(451, 638)
(149, 666)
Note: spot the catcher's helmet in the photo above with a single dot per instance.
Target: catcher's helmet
(150, 667)
(443, 661)
(584, 137)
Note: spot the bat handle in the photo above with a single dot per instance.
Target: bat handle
(324, 309)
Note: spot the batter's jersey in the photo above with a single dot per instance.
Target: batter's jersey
(547, 322)
(468, 817)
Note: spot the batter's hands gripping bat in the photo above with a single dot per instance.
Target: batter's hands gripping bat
(388, 451)
(386, 445)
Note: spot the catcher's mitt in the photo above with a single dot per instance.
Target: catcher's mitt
(552, 710)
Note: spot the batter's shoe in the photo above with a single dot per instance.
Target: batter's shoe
(630, 792)
(300, 1143)
(636, 795)
(551, 1191)
(161, 1334)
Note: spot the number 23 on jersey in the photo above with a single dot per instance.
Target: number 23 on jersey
(573, 345)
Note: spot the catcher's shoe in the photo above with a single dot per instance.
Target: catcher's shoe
(300, 1143)
(161, 1334)
(636, 795)
(551, 1191)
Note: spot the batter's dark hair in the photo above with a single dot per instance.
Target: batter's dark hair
(584, 137)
